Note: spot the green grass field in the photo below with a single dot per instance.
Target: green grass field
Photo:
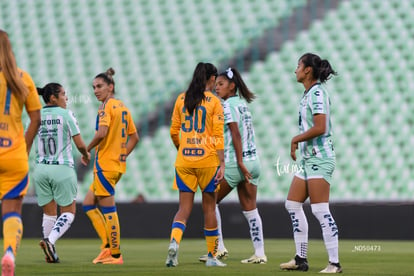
(147, 257)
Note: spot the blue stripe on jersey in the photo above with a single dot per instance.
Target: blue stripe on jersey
(178, 224)
(181, 185)
(107, 210)
(8, 101)
(210, 233)
(87, 208)
(15, 192)
(97, 123)
(11, 214)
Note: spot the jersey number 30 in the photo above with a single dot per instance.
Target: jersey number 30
(197, 121)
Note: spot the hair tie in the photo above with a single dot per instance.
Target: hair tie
(229, 73)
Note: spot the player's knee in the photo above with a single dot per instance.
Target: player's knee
(293, 205)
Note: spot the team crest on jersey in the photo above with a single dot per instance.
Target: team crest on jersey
(317, 93)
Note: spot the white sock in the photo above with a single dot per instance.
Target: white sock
(220, 246)
(256, 231)
(61, 226)
(47, 224)
(329, 229)
(300, 227)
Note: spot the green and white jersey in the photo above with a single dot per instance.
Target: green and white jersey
(316, 101)
(236, 110)
(54, 138)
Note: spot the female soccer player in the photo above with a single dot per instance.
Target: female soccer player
(16, 90)
(241, 159)
(54, 176)
(198, 115)
(318, 163)
(115, 138)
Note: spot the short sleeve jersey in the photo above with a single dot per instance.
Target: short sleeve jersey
(54, 138)
(201, 133)
(236, 111)
(12, 141)
(316, 101)
(110, 154)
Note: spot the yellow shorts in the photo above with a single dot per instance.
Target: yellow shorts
(188, 179)
(104, 183)
(14, 178)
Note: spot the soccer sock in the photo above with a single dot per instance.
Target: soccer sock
(47, 224)
(221, 246)
(211, 240)
(112, 229)
(98, 222)
(61, 226)
(256, 231)
(329, 229)
(300, 227)
(177, 230)
(12, 232)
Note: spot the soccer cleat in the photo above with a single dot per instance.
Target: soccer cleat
(104, 254)
(7, 265)
(172, 258)
(211, 261)
(332, 268)
(297, 263)
(112, 260)
(221, 255)
(255, 260)
(49, 250)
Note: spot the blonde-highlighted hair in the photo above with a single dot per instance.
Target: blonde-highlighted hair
(9, 68)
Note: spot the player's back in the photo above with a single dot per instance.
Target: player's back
(54, 140)
(201, 133)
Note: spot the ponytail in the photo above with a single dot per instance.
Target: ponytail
(321, 68)
(232, 75)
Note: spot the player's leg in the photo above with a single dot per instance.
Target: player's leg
(186, 182)
(105, 194)
(298, 193)
(49, 218)
(14, 183)
(319, 190)
(97, 219)
(209, 188)
(225, 189)
(64, 190)
(247, 192)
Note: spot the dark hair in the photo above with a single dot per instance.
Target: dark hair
(49, 90)
(195, 92)
(107, 77)
(321, 68)
(234, 76)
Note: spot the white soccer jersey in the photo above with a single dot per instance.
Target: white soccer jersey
(236, 110)
(316, 101)
(54, 138)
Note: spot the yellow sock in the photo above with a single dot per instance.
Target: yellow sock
(112, 229)
(177, 231)
(12, 232)
(211, 240)
(98, 222)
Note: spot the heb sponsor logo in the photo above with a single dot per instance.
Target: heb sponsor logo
(193, 152)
